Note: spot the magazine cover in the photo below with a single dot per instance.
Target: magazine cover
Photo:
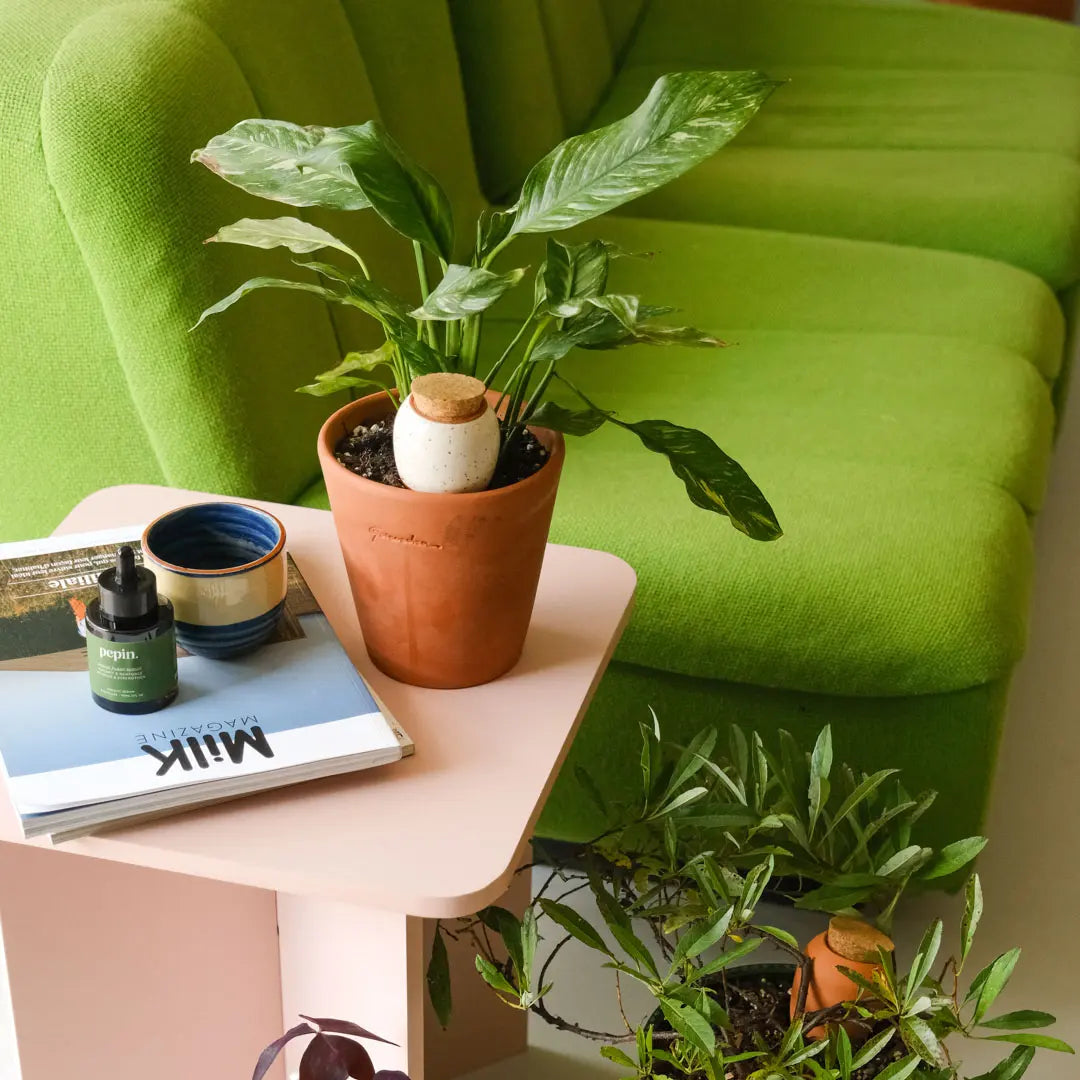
(295, 701)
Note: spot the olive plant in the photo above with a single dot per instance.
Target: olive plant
(686, 118)
(677, 880)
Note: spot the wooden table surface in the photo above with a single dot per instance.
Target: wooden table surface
(438, 834)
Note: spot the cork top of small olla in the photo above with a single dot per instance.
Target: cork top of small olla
(854, 939)
(447, 397)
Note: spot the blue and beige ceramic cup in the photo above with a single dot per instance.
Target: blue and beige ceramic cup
(223, 567)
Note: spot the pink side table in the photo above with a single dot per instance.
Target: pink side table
(180, 947)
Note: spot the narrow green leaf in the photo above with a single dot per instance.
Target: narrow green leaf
(973, 907)
(692, 759)
(573, 271)
(780, 935)
(408, 198)
(493, 976)
(325, 386)
(754, 886)
(842, 1049)
(924, 960)
(871, 1048)
(1023, 1038)
(619, 924)
(262, 157)
(900, 1070)
(993, 978)
(860, 980)
(904, 862)
(684, 798)
(361, 361)
(866, 787)
(690, 1024)
(574, 924)
(744, 948)
(266, 283)
(613, 1053)
(919, 1037)
(1020, 1020)
(438, 980)
(288, 232)
(703, 936)
(686, 118)
(1012, 1068)
(820, 767)
(530, 938)
(507, 925)
(952, 857)
(464, 291)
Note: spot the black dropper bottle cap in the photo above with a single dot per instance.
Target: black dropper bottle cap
(128, 593)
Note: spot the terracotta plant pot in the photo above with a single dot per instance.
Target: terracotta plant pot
(443, 584)
(847, 943)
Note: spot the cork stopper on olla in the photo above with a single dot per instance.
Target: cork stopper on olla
(447, 397)
(854, 939)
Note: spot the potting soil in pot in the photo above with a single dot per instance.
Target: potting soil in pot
(757, 1001)
(368, 451)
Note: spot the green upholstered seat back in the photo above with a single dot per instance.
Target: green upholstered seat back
(103, 219)
(534, 72)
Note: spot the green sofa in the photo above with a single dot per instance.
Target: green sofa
(905, 121)
(894, 402)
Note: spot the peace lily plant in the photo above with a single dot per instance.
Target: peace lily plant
(404, 551)
(686, 118)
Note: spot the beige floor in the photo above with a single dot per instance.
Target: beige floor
(1030, 871)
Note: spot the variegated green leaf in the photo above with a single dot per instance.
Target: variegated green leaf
(465, 290)
(266, 283)
(686, 118)
(973, 908)
(407, 197)
(287, 232)
(262, 158)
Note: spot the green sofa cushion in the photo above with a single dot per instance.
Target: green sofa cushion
(875, 34)
(933, 127)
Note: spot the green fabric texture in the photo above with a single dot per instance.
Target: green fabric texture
(944, 128)
(102, 220)
(906, 122)
(855, 33)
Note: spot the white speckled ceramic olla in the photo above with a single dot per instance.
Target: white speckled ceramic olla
(445, 456)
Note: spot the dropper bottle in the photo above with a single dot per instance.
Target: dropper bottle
(130, 640)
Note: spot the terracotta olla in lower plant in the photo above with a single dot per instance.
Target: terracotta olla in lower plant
(849, 943)
(443, 584)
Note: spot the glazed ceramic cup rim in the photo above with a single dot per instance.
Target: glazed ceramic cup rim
(188, 571)
(327, 445)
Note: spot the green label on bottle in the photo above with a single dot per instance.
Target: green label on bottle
(132, 671)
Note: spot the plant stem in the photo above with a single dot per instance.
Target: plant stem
(424, 329)
(470, 343)
(489, 258)
(489, 378)
(363, 265)
(421, 270)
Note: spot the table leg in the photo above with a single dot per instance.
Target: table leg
(117, 972)
(367, 966)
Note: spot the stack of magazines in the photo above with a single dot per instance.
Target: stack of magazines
(294, 710)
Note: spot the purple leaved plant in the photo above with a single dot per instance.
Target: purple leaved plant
(332, 1054)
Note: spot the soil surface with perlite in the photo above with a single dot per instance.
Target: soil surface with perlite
(368, 451)
(759, 1004)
